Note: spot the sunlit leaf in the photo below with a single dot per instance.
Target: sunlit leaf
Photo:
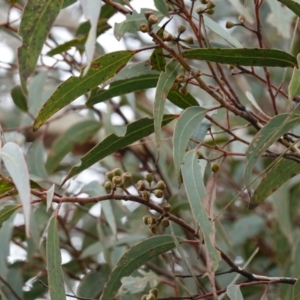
(112, 143)
(134, 258)
(77, 134)
(195, 190)
(55, 273)
(5, 187)
(188, 121)
(37, 19)
(244, 57)
(16, 166)
(6, 211)
(165, 82)
(101, 69)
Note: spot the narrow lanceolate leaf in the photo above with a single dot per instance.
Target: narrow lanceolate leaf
(50, 194)
(182, 100)
(292, 5)
(6, 211)
(294, 86)
(15, 164)
(133, 259)
(269, 134)
(244, 57)
(234, 292)
(100, 70)
(195, 191)
(296, 290)
(5, 187)
(165, 82)
(112, 143)
(19, 99)
(38, 17)
(123, 87)
(77, 134)
(55, 273)
(162, 7)
(188, 121)
(282, 171)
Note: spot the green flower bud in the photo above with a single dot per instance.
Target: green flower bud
(144, 27)
(199, 9)
(108, 185)
(160, 185)
(204, 1)
(127, 176)
(189, 40)
(144, 297)
(180, 78)
(210, 4)
(200, 155)
(215, 168)
(229, 24)
(154, 292)
(148, 13)
(145, 220)
(158, 193)
(140, 186)
(117, 172)
(167, 207)
(149, 177)
(153, 19)
(168, 37)
(153, 229)
(145, 195)
(117, 180)
(181, 29)
(151, 220)
(150, 297)
(165, 222)
(210, 11)
(109, 175)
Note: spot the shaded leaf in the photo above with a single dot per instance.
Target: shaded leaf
(270, 133)
(123, 87)
(188, 121)
(244, 57)
(19, 99)
(294, 86)
(5, 186)
(134, 258)
(6, 211)
(101, 69)
(296, 290)
(67, 46)
(195, 190)
(157, 59)
(234, 292)
(55, 273)
(50, 194)
(164, 84)
(35, 159)
(15, 164)
(112, 143)
(133, 22)
(292, 5)
(282, 171)
(77, 134)
(37, 19)
(162, 7)
(182, 100)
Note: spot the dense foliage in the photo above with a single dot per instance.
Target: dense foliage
(149, 150)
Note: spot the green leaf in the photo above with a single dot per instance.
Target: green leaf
(6, 211)
(50, 194)
(188, 121)
(133, 259)
(78, 43)
(68, 3)
(270, 133)
(217, 28)
(296, 290)
(5, 186)
(164, 84)
(112, 143)
(101, 69)
(93, 282)
(133, 22)
(19, 99)
(244, 57)
(292, 5)
(55, 273)
(234, 292)
(195, 190)
(37, 19)
(77, 134)
(15, 164)
(35, 159)
(282, 171)
(123, 87)
(162, 7)
(294, 86)
(182, 100)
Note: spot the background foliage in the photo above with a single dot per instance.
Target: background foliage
(149, 151)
